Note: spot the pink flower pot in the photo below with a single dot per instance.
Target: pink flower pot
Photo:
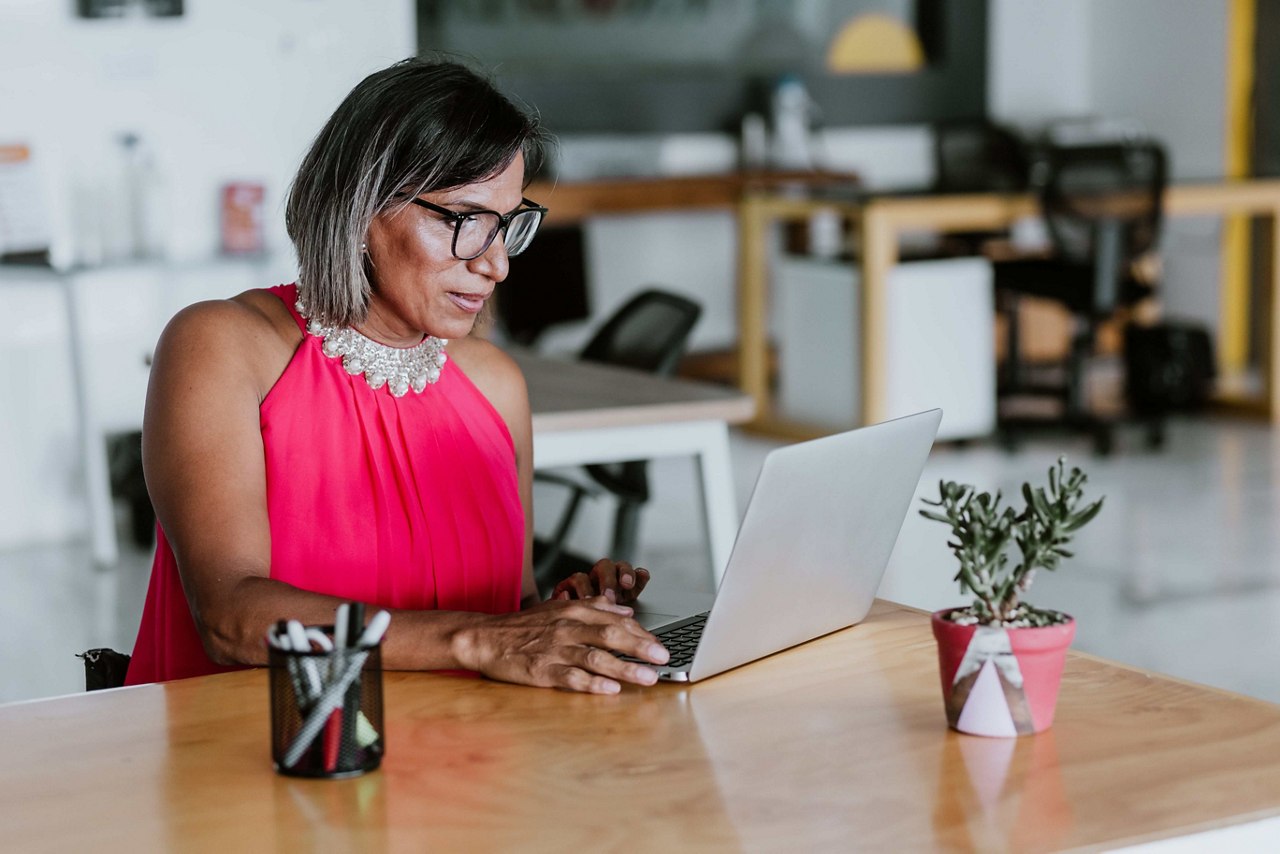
(997, 681)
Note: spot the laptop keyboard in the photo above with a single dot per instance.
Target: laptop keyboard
(680, 639)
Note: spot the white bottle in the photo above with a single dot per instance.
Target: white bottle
(792, 112)
(145, 198)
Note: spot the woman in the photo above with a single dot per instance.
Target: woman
(344, 438)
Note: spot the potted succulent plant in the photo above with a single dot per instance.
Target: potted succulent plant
(1001, 659)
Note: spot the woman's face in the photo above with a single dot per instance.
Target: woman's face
(418, 286)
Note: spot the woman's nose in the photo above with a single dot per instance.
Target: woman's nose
(493, 263)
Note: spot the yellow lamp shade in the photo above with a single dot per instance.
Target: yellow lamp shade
(875, 44)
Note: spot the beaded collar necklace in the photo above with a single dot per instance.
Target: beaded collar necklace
(398, 368)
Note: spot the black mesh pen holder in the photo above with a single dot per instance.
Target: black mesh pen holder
(326, 711)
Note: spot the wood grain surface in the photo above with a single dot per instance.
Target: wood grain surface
(571, 202)
(840, 744)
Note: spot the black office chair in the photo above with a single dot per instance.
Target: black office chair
(978, 156)
(1102, 205)
(649, 334)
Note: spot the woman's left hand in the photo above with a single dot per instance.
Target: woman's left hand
(622, 578)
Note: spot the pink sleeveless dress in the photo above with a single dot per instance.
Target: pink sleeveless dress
(356, 505)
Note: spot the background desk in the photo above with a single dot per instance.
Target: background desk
(571, 202)
(882, 221)
(590, 413)
(837, 745)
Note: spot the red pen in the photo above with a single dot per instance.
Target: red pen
(332, 739)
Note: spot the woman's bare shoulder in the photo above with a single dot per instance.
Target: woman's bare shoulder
(251, 336)
(494, 372)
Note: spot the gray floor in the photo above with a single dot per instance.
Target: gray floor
(1180, 574)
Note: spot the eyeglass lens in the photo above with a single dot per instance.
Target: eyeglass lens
(477, 232)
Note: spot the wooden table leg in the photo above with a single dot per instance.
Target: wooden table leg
(879, 255)
(753, 259)
(1271, 303)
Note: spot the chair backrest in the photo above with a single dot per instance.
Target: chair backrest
(1089, 189)
(978, 156)
(648, 333)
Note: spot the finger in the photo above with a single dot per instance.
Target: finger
(641, 579)
(562, 590)
(626, 575)
(583, 587)
(605, 575)
(577, 679)
(609, 603)
(578, 586)
(629, 638)
(598, 661)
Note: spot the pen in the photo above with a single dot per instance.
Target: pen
(333, 727)
(351, 626)
(373, 633)
(328, 701)
(298, 640)
(354, 624)
(278, 636)
(297, 636)
(340, 626)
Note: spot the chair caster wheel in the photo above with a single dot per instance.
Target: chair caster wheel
(1103, 443)
(1155, 437)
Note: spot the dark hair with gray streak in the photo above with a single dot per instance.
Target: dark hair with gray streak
(419, 126)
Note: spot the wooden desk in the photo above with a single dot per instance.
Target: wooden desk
(840, 744)
(572, 202)
(590, 413)
(882, 221)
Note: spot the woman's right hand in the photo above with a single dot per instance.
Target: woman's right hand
(563, 644)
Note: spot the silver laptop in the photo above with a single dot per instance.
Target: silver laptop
(821, 524)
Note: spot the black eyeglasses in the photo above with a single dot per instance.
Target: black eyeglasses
(474, 231)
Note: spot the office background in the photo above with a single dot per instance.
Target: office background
(233, 91)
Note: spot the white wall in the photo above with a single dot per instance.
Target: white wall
(234, 89)
(1038, 60)
(1158, 63)
(1163, 62)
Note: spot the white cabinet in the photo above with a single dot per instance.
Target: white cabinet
(940, 343)
(41, 486)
